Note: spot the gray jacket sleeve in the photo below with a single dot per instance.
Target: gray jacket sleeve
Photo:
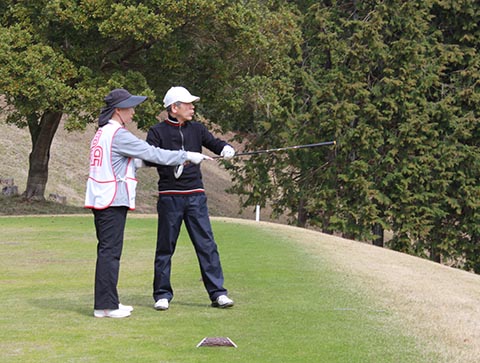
(128, 145)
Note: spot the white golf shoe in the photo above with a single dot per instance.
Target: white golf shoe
(125, 307)
(223, 301)
(110, 313)
(161, 304)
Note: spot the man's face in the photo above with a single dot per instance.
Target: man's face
(183, 112)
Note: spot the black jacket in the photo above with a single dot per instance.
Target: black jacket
(191, 136)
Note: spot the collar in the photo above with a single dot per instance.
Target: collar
(173, 121)
(112, 121)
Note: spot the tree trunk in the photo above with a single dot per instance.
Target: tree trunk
(42, 136)
(377, 230)
(302, 214)
(434, 254)
(475, 258)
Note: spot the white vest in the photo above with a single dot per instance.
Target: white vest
(102, 183)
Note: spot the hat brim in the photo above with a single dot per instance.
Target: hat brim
(186, 99)
(132, 101)
(189, 99)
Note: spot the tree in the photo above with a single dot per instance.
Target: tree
(395, 84)
(61, 57)
(457, 231)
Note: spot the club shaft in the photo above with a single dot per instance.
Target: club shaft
(266, 151)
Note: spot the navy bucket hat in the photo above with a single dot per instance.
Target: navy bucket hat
(118, 98)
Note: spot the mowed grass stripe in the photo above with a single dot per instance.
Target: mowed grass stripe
(291, 306)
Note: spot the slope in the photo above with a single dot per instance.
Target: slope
(439, 305)
(68, 170)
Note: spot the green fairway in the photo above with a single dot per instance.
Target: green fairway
(291, 306)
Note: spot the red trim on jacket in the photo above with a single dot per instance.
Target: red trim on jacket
(176, 192)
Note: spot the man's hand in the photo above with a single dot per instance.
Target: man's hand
(197, 158)
(228, 152)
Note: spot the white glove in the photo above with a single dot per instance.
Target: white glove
(228, 152)
(139, 163)
(196, 158)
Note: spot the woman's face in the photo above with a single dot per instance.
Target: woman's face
(125, 114)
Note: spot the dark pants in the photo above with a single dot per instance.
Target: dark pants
(192, 209)
(110, 226)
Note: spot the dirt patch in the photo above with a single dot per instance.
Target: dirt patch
(216, 342)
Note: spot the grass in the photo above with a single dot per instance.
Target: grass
(17, 205)
(291, 306)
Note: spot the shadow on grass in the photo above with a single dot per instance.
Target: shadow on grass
(146, 300)
(83, 304)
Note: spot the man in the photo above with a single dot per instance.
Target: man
(111, 191)
(182, 198)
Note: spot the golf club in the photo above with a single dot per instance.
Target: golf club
(282, 149)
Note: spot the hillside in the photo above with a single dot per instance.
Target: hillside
(437, 304)
(68, 170)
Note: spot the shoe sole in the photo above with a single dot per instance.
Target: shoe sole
(112, 317)
(224, 306)
(160, 308)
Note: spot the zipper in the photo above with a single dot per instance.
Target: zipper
(179, 168)
(181, 135)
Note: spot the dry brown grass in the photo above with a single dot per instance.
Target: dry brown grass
(68, 171)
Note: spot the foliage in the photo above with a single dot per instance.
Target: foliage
(396, 84)
(63, 56)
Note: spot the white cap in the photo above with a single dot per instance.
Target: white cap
(178, 94)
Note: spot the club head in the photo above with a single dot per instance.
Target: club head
(178, 171)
